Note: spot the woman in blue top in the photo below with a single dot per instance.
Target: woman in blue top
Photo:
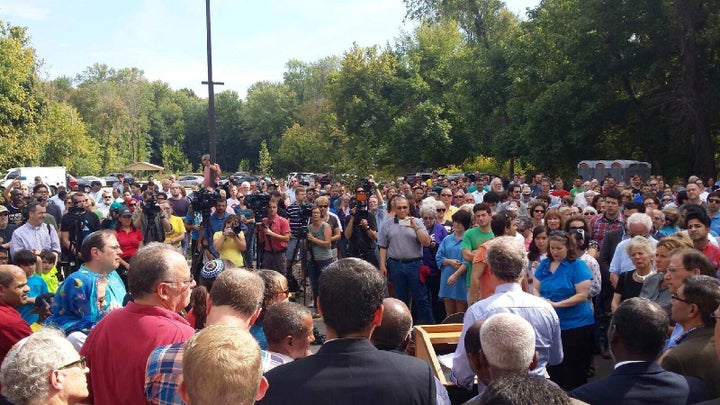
(565, 283)
(450, 260)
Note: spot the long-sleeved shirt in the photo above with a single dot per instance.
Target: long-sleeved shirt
(510, 297)
(35, 237)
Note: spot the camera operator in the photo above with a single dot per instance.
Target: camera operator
(151, 220)
(215, 224)
(275, 234)
(297, 222)
(361, 229)
(75, 226)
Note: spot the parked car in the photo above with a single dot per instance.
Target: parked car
(191, 180)
(83, 183)
(111, 178)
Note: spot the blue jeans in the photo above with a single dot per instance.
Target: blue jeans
(406, 282)
(315, 269)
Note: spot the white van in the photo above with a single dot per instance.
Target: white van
(51, 176)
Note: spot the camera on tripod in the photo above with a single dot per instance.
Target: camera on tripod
(258, 203)
(204, 200)
(150, 207)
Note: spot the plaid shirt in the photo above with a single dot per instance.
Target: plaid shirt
(600, 226)
(165, 368)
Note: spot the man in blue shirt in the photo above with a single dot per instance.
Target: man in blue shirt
(216, 224)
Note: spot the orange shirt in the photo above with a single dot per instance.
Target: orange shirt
(488, 281)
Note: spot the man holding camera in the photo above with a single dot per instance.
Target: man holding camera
(151, 219)
(75, 226)
(361, 229)
(215, 224)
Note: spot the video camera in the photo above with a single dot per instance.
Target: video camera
(150, 207)
(258, 203)
(204, 200)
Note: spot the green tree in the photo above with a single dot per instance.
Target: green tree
(21, 103)
(264, 160)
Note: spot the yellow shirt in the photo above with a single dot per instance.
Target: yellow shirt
(229, 250)
(449, 213)
(178, 227)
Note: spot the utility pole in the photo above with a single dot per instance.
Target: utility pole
(212, 141)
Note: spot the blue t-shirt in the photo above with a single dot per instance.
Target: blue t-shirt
(560, 285)
(37, 287)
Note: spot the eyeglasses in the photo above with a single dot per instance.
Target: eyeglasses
(191, 281)
(540, 211)
(446, 195)
(459, 196)
(428, 218)
(77, 363)
(714, 201)
(441, 210)
(683, 300)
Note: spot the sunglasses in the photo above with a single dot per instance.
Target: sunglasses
(441, 210)
(78, 363)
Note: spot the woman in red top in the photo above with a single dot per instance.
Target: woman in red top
(130, 239)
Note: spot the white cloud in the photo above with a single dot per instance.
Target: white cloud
(29, 10)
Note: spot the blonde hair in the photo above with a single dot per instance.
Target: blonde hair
(233, 355)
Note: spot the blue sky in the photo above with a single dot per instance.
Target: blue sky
(252, 40)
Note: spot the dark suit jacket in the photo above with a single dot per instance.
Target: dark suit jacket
(351, 371)
(695, 356)
(642, 383)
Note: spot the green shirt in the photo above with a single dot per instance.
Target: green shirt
(576, 191)
(472, 239)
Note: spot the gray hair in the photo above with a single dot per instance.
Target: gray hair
(590, 209)
(25, 372)
(508, 342)
(639, 218)
(641, 242)
(507, 258)
(150, 265)
(428, 210)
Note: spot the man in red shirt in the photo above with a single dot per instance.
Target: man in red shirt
(117, 349)
(274, 234)
(698, 228)
(13, 293)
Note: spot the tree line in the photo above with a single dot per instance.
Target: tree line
(575, 79)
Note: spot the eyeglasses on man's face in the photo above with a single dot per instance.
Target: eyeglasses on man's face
(77, 363)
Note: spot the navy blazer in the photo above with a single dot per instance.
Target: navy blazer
(642, 383)
(351, 371)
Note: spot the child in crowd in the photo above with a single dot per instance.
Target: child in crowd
(4, 255)
(26, 260)
(43, 302)
(49, 270)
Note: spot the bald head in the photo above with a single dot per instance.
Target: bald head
(395, 327)
(8, 273)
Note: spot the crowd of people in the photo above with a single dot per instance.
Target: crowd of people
(162, 301)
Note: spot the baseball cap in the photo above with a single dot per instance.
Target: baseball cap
(3, 208)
